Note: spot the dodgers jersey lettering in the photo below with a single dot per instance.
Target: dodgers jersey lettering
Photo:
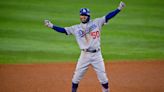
(87, 35)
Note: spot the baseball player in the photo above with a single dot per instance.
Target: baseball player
(87, 34)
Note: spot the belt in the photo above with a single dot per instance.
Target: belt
(92, 51)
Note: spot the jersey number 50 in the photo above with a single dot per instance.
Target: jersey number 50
(95, 34)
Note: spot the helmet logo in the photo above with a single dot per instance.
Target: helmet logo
(84, 10)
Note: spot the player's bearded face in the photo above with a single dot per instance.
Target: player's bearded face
(83, 18)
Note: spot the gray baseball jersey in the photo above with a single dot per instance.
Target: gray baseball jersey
(87, 35)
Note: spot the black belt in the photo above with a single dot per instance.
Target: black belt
(92, 51)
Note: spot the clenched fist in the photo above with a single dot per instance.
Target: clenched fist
(121, 5)
(48, 23)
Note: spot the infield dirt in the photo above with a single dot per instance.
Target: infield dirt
(142, 76)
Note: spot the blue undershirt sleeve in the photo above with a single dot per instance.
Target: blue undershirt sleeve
(111, 14)
(59, 29)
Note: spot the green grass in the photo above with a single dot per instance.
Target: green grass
(136, 33)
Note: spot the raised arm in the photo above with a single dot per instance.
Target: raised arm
(115, 12)
(50, 25)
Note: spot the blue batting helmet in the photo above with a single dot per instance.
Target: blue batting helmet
(85, 11)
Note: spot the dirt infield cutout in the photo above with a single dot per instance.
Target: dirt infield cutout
(123, 77)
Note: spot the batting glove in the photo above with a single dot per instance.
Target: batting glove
(121, 5)
(48, 23)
